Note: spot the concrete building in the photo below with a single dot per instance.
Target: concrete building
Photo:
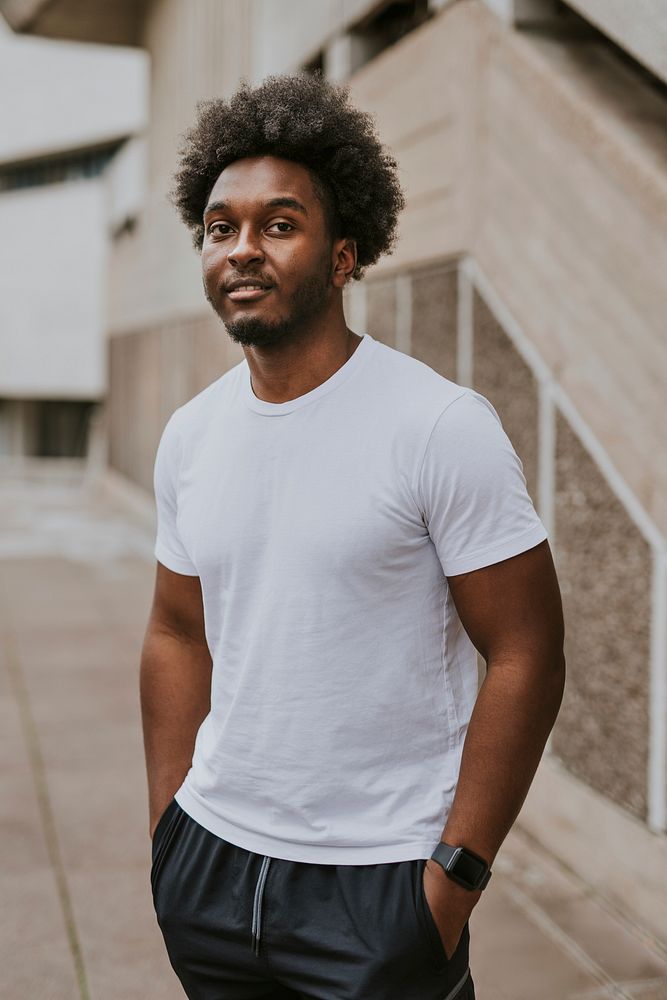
(531, 265)
(70, 176)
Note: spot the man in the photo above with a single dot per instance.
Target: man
(339, 527)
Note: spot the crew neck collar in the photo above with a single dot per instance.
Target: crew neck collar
(341, 375)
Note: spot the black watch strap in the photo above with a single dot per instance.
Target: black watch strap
(462, 866)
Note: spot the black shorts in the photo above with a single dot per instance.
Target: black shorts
(238, 925)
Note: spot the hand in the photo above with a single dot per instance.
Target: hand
(449, 903)
(157, 814)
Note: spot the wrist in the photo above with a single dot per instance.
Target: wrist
(462, 866)
(457, 891)
(447, 896)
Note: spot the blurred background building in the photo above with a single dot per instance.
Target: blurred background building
(532, 141)
(69, 181)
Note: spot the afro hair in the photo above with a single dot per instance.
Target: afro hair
(309, 120)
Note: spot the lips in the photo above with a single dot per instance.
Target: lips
(246, 290)
(247, 294)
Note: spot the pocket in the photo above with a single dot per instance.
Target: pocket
(163, 837)
(160, 826)
(427, 920)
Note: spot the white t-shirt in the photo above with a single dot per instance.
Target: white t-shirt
(323, 530)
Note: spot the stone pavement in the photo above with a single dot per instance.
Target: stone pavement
(76, 578)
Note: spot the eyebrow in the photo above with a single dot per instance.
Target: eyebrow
(280, 202)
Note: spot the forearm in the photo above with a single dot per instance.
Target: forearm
(175, 690)
(515, 710)
(514, 713)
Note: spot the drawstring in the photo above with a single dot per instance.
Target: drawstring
(461, 983)
(257, 904)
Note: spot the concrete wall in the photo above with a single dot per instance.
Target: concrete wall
(66, 95)
(428, 119)
(60, 98)
(53, 277)
(116, 23)
(312, 26)
(571, 225)
(639, 27)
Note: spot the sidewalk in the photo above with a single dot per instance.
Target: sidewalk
(77, 923)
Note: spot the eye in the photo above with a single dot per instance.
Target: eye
(213, 225)
(288, 224)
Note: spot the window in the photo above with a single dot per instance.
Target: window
(56, 169)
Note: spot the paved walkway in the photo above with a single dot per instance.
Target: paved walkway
(76, 578)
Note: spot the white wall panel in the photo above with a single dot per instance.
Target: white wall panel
(52, 291)
(58, 96)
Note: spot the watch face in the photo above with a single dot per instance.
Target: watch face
(467, 868)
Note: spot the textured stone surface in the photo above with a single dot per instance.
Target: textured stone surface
(381, 310)
(604, 568)
(434, 303)
(501, 374)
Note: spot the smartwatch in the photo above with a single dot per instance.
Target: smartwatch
(462, 866)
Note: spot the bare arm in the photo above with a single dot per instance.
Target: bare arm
(513, 614)
(175, 685)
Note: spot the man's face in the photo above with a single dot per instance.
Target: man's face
(264, 225)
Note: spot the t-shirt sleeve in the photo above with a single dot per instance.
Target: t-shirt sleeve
(169, 548)
(473, 491)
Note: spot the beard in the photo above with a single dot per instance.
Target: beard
(305, 304)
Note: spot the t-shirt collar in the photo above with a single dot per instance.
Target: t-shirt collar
(340, 376)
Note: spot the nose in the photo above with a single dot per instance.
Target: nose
(246, 250)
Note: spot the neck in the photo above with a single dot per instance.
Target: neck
(298, 368)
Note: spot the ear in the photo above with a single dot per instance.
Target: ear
(344, 261)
